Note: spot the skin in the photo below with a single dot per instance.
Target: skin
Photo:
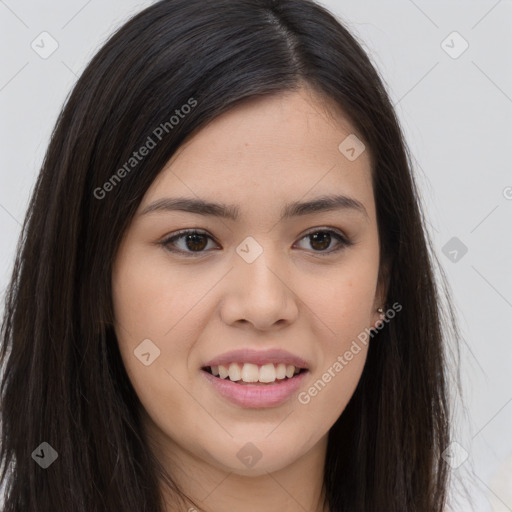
(297, 295)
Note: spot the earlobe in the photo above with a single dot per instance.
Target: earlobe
(379, 318)
(381, 294)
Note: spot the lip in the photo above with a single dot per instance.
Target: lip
(259, 357)
(256, 395)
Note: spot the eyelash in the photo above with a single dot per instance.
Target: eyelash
(344, 241)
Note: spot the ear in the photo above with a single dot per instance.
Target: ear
(381, 292)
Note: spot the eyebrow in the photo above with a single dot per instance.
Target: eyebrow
(232, 212)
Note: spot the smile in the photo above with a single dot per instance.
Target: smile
(245, 373)
(255, 394)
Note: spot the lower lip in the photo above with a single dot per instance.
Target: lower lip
(256, 395)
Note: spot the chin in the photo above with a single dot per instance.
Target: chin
(256, 457)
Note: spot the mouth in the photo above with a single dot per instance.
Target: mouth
(254, 386)
(248, 374)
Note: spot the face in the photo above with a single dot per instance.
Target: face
(279, 285)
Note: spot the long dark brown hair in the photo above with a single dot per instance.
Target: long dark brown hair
(63, 379)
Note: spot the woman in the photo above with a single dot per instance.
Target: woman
(224, 296)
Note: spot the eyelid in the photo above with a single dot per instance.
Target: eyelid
(343, 239)
(328, 229)
(181, 233)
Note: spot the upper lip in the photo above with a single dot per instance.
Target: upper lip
(259, 357)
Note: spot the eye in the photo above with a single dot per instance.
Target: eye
(194, 241)
(321, 239)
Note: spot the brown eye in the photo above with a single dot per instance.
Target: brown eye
(195, 242)
(320, 240)
(192, 241)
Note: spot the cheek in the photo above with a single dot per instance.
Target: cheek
(341, 306)
(145, 309)
(327, 394)
(139, 297)
(152, 303)
(341, 300)
(151, 298)
(342, 350)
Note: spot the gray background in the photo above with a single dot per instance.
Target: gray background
(457, 118)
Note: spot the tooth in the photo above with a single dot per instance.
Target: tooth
(290, 369)
(268, 373)
(281, 371)
(250, 373)
(234, 372)
(223, 372)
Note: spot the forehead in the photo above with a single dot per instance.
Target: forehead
(277, 148)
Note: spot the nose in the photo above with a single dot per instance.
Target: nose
(260, 293)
